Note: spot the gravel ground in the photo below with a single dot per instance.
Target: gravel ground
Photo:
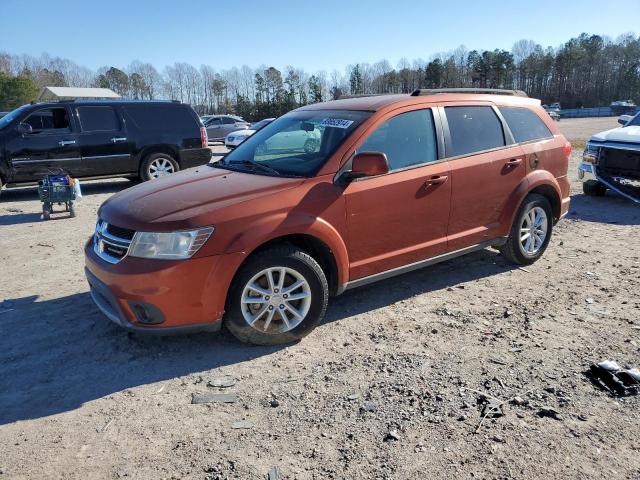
(391, 386)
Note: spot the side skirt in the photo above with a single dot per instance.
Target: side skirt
(418, 265)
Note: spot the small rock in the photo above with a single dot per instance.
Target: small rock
(434, 331)
(589, 300)
(273, 403)
(519, 401)
(369, 407)
(353, 396)
(499, 439)
(507, 313)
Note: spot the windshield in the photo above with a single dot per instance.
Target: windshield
(11, 116)
(297, 144)
(635, 121)
(260, 124)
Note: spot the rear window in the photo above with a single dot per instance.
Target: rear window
(473, 129)
(161, 117)
(525, 125)
(94, 119)
(228, 120)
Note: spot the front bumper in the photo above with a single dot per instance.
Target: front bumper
(233, 143)
(588, 171)
(182, 296)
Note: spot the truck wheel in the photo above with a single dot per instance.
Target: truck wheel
(594, 188)
(158, 165)
(279, 296)
(530, 232)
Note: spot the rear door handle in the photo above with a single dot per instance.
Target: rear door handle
(64, 143)
(514, 161)
(436, 180)
(118, 139)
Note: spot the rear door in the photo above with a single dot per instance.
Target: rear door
(104, 146)
(401, 217)
(486, 168)
(228, 126)
(214, 129)
(51, 147)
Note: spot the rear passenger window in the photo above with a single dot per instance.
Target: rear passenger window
(525, 124)
(158, 117)
(473, 129)
(228, 121)
(95, 119)
(407, 139)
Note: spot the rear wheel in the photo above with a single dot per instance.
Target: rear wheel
(594, 188)
(278, 296)
(530, 232)
(158, 165)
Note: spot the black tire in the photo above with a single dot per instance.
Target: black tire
(282, 256)
(145, 168)
(512, 250)
(594, 188)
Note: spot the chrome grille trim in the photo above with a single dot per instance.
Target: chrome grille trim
(102, 237)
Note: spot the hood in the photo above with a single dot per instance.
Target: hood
(187, 199)
(244, 133)
(621, 134)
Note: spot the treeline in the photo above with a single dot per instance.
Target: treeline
(589, 70)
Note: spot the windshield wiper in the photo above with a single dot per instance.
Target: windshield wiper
(255, 165)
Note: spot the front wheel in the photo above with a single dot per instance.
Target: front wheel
(530, 232)
(279, 296)
(158, 165)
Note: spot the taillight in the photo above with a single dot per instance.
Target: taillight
(203, 137)
(567, 150)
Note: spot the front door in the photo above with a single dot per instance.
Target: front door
(104, 146)
(401, 217)
(51, 147)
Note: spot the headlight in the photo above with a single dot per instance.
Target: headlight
(229, 139)
(169, 245)
(591, 153)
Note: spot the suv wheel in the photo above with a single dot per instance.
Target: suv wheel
(530, 232)
(158, 165)
(594, 188)
(279, 296)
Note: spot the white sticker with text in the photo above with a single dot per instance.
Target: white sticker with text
(336, 123)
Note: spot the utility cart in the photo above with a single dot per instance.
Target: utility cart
(57, 189)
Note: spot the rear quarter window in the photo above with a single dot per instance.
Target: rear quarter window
(473, 129)
(524, 124)
(161, 117)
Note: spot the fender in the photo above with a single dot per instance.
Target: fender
(533, 180)
(282, 224)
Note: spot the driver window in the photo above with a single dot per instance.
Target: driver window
(49, 120)
(408, 139)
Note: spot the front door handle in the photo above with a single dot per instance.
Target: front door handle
(514, 161)
(118, 139)
(64, 143)
(436, 180)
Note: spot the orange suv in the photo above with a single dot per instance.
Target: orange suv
(260, 240)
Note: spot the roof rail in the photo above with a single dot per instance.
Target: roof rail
(491, 91)
(361, 95)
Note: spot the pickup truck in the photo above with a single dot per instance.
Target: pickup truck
(611, 160)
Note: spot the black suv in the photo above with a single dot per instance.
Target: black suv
(99, 139)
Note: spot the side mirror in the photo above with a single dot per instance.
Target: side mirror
(368, 164)
(24, 128)
(624, 119)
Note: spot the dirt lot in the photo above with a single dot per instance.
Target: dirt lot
(387, 387)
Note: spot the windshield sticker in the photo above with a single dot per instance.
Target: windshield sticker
(336, 123)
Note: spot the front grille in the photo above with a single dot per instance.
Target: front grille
(111, 243)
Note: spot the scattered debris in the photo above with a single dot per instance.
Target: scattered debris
(197, 398)
(274, 473)
(225, 381)
(242, 425)
(105, 426)
(549, 412)
(391, 436)
(611, 377)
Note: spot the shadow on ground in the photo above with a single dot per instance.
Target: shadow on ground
(612, 209)
(57, 354)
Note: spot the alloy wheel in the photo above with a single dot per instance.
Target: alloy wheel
(276, 300)
(161, 167)
(533, 231)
